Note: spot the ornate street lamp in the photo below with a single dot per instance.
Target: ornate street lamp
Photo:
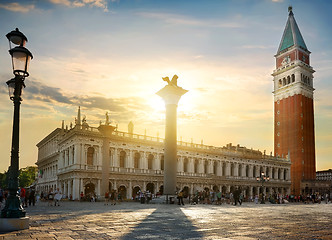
(263, 178)
(20, 61)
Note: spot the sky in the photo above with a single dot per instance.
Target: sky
(110, 56)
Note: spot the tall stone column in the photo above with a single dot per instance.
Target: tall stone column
(106, 130)
(171, 94)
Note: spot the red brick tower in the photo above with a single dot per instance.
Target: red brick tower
(294, 131)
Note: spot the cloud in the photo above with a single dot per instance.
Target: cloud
(43, 97)
(16, 7)
(82, 3)
(183, 20)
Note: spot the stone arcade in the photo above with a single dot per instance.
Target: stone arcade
(72, 159)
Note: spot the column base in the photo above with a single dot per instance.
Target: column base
(13, 224)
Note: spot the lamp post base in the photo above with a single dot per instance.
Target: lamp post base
(13, 224)
(13, 208)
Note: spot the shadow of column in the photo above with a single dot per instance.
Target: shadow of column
(168, 222)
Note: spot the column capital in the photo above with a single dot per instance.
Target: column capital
(171, 94)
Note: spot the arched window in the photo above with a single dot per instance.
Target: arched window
(285, 174)
(206, 167)
(279, 173)
(280, 83)
(162, 162)
(90, 154)
(284, 81)
(185, 165)
(239, 170)
(247, 171)
(288, 80)
(293, 78)
(150, 161)
(254, 172)
(137, 158)
(122, 159)
(215, 168)
(196, 166)
(224, 169)
(232, 169)
(272, 175)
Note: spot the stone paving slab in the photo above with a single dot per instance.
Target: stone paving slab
(127, 221)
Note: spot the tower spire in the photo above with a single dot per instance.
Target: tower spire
(292, 36)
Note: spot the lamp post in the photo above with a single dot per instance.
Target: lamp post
(20, 62)
(263, 178)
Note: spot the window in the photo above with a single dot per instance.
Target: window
(162, 161)
(185, 165)
(196, 166)
(90, 154)
(150, 161)
(137, 158)
(122, 159)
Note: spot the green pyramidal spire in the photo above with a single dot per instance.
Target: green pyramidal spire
(292, 35)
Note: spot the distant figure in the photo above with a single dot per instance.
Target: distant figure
(57, 197)
(22, 196)
(180, 198)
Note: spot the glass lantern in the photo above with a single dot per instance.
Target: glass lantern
(20, 60)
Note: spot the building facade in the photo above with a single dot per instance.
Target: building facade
(294, 133)
(72, 160)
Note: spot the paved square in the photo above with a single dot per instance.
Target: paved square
(88, 220)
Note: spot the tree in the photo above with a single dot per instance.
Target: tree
(27, 176)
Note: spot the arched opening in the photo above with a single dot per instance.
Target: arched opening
(224, 189)
(185, 165)
(162, 162)
(285, 174)
(254, 172)
(206, 189)
(232, 169)
(89, 190)
(232, 189)
(150, 161)
(272, 174)
(215, 188)
(122, 159)
(247, 171)
(279, 173)
(196, 166)
(293, 78)
(122, 192)
(137, 158)
(280, 83)
(90, 154)
(224, 169)
(136, 192)
(205, 167)
(150, 187)
(215, 168)
(288, 80)
(240, 170)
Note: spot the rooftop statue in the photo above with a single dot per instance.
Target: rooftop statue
(173, 82)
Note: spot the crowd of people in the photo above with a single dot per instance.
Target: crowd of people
(28, 197)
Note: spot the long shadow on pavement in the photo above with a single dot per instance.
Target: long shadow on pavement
(167, 222)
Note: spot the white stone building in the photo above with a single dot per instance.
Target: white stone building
(72, 159)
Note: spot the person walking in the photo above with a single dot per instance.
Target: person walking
(57, 197)
(180, 198)
(107, 197)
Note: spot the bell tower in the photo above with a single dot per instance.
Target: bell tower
(294, 132)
